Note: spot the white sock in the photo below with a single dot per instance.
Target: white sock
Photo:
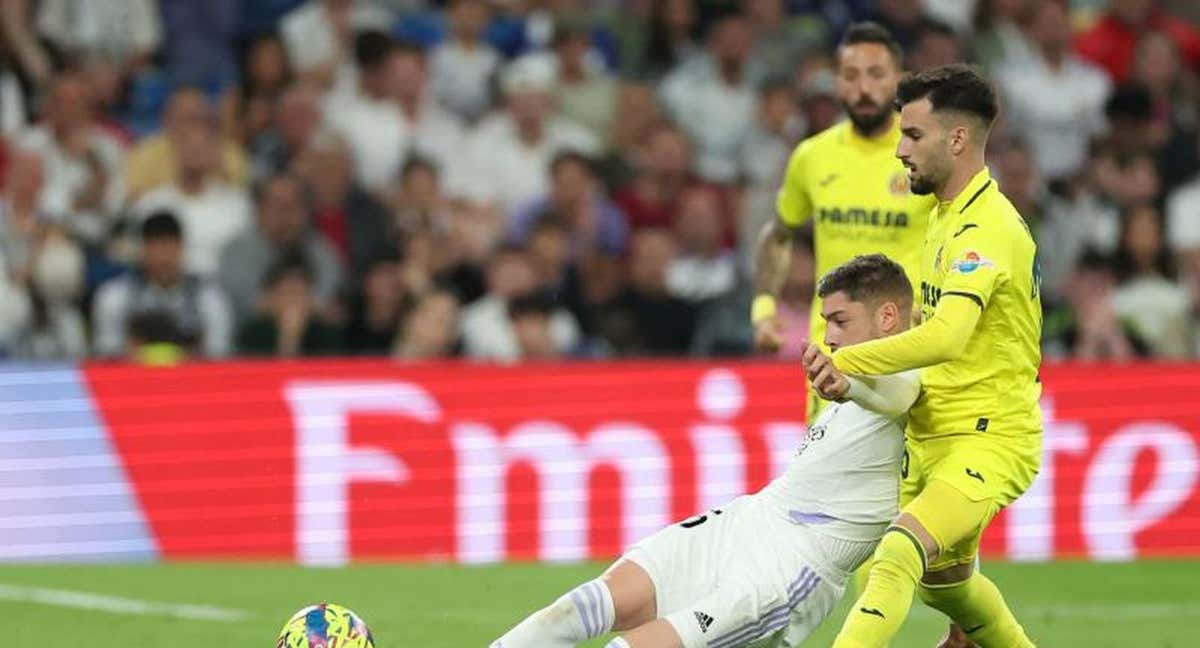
(585, 612)
(617, 642)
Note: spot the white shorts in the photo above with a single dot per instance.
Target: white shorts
(743, 574)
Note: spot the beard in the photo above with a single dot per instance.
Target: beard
(921, 185)
(868, 122)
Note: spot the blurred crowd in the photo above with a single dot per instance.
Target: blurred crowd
(531, 179)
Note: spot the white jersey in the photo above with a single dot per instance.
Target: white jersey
(845, 477)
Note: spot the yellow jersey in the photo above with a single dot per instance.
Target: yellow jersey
(855, 192)
(979, 248)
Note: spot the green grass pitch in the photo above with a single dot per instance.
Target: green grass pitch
(1063, 605)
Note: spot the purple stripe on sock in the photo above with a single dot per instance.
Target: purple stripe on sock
(581, 606)
(598, 597)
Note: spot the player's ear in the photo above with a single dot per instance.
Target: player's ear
(887, 317)
(959, 136)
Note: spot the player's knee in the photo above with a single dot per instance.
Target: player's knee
(945, 578)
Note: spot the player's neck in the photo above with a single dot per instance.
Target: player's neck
(959, 180)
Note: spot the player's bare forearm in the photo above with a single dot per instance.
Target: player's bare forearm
(773, 258)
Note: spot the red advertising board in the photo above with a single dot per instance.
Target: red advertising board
(331, 461)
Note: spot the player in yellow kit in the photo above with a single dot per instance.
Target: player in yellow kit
(847, 182)
(976, 431)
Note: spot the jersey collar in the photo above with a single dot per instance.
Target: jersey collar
(888, 140)
(969, 195)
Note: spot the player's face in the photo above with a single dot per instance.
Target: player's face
(924, 147)
(866, 86)
(847, 321)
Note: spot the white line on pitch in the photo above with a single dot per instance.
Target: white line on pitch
(117, 604)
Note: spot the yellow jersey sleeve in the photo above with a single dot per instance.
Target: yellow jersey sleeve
(942, 339)
(793, 203)
(979, 261)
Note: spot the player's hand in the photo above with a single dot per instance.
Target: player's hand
(768, 335)
(829, 383)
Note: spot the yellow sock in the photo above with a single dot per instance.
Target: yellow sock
(879, 612)
(979, 608)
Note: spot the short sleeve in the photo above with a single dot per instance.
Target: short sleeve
(978, 259)
(793, 203)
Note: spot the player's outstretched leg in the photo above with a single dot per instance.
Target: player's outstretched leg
(880, 610)
(622, 598)
(976, 605)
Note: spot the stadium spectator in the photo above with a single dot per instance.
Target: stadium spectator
(704, 269)
(997, 39)
(419, 203)
(638, 114)
(818, 94)
(509, 157)
(795, 299)
(782, 38)
(377, 311)
(937, 44)
(671, 40)
(585, 92)
(211, 210)
(320, 37)
(284, 227)
(368, 118)
(487, 332)
(902, 18)
(33, 63)
(596, 224)
(646, 319)
(1055, 97)
(82, 179)
(124, 33)
(295, 119)
(349, 217)
(247, 109)
(531, 318)
(1173, 93)
(776, 130)
(461, 68)
(713, 98)
(662, 174)
(198, 43)
(1125, 179)
(155, 160)
(430, 330)
(289, 323)
(1183, 237)
(1147, 294)
(197, 308)
(42, 273)
(1111, 42)
(1083, 324)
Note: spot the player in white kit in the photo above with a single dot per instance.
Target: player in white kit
(767, 568)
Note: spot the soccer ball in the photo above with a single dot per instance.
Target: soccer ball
(325, 626)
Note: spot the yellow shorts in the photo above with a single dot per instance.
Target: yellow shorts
(988, 472)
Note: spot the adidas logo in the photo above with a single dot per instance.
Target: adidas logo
(704, 620)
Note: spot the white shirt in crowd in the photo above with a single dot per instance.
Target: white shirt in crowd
(1183, 217)
(310, 39)
(505, 170)
(202, 301)
(488, 334)
(114, 29)
(715, 115)
(210, 219)
(845, 477)
(66, 175)
(695, 278)
(1059, 110)
(381, 138)
(460, 77)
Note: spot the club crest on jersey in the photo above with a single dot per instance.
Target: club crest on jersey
(898, 184)
(970, 262)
